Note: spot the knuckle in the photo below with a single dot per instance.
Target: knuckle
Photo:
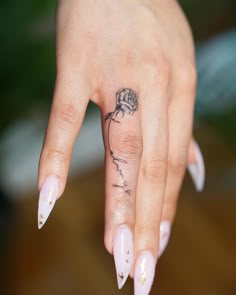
(128, 144)
(155, 171)
(187, 76)
(177, 163)
(121, 209)
(164, 67)
(69, 114)
(147, 229)
(120, 204)
(91, 35)
(169, 208)
(157, 71)
(56, 154)
(128, 58)
(147, 12)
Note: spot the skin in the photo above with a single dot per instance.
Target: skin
(147, 46)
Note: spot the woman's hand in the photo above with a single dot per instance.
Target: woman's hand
(135, 60)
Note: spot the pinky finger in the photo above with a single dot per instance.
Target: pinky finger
(196, 169)
(196, 165)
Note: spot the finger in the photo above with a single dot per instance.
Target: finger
(196, 165)
(67, 113)
(180, 131)
(123, 141)
(196, 169)
(151, 184)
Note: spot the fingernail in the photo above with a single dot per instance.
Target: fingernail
(165, 229)
(197, 169)
(144, 274)
(123, 254)
(47, 198)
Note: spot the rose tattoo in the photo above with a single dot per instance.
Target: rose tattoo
(126, 104)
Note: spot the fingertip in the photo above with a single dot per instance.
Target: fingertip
(197, 168)
(48, 196)
(108, 243)
(164, 236)
(144, 272)
(123, 253)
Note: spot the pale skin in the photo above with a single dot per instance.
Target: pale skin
(146, 46)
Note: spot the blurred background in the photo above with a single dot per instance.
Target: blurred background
(67, 256)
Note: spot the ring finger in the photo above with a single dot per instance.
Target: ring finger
(123, 141)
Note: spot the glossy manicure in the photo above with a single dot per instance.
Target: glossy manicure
(123, 254)
(197, 169)
(47, 198)
(165, 229)
(144, 273)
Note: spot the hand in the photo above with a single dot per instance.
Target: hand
(135, 60)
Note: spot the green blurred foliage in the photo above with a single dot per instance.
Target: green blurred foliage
(26, 55)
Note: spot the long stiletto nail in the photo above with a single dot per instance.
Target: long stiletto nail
(47, 198)
(165, 229)
(123, 254)
(144, 273)
(197, 169)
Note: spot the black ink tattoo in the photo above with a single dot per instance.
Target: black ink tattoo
(126, 103)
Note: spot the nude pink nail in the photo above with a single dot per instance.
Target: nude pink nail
(197, 169)
(144, 273)
(165, 229)
(47, 198)
(123, 254)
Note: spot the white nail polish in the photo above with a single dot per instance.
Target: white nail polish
(47, 198)
(197, 170)
(123, 254)
(164, 236)
(144, 273)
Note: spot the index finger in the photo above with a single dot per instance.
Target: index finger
(66, 117)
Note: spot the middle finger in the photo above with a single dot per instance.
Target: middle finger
(122, 136)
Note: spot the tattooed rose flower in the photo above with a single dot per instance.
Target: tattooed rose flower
(126, 101)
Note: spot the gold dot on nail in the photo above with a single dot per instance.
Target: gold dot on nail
(127, 261)
(41, 216)
(143, 278)
(121, 275)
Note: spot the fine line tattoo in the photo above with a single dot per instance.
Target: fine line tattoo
(126, 103)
